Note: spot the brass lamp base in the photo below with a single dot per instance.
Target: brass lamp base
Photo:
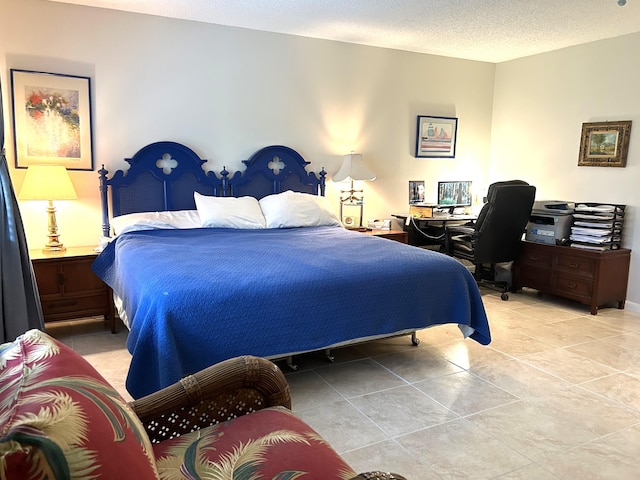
(54, 244)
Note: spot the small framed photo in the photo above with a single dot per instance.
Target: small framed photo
(436, 137)
(604, 144)
(416, 192)
(52, 119)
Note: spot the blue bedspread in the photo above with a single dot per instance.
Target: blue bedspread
(196, 297)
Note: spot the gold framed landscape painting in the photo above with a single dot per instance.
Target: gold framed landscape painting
(604, 144)
(51, 119)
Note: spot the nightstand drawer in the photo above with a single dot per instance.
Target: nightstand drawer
(397, 235)
(75, 306)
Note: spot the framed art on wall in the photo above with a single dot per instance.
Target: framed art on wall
(52, 119)
(416, 191)
(436, 137)
(604, 144)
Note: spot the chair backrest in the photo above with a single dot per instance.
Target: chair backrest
(502, 221)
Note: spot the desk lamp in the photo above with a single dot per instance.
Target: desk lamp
(353, 168)
(48, 182)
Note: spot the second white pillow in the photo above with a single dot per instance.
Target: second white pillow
(294, 209)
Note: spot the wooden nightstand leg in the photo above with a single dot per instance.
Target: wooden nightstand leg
(111, 320)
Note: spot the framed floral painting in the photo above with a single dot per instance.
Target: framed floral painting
(52, 119)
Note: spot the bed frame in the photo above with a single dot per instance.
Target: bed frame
(163, 176)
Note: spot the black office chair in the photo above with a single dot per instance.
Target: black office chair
(496, 236)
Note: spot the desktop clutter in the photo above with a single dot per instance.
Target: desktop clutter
(587, 225)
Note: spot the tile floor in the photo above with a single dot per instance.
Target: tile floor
(555, 396)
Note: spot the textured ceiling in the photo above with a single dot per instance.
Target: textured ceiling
(485, 30)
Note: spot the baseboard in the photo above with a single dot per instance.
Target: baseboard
(632, 306)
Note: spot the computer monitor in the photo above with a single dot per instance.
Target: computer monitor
(454, 194)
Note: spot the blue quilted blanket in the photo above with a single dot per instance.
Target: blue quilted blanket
(195, 297)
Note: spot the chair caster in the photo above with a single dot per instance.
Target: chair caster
(504, 297)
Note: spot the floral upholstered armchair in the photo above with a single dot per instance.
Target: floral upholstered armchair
(59, 419)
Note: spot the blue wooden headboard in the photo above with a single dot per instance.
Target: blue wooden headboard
(164, 175)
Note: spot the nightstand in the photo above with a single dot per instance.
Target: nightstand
(397, 235)
(69, 288)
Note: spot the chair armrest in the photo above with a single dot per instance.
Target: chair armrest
(459, 230)
(215, 394)
(378, 476)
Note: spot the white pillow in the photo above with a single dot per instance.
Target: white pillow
(229, 212)
(132, 222)
(295, 209)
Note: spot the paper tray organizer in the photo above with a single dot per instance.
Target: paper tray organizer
(597, 226)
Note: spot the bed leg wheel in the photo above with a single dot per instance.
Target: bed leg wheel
(290, 365)
(330, 358)
(504, 297)
(415, 341)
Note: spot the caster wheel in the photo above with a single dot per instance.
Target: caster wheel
(504, 297)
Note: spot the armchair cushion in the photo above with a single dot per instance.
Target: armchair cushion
(269, 443)
(60, 419)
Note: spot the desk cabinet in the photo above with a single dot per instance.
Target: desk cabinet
(592, 277)
(69, 288)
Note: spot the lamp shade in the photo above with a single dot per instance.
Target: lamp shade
(353, 168)
(47, 182)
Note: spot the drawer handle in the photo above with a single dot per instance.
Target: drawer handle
(574, 265)
(533, 257)
(572, 285)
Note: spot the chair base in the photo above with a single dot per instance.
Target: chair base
(486, 276)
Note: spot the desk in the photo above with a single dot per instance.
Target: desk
(430, 230)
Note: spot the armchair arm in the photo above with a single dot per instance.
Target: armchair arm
(215, 394)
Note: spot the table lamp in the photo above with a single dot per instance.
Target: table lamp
(48, 182)
(353, 168)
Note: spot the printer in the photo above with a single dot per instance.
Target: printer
(550, 222)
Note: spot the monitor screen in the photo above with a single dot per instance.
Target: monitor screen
(454, 194)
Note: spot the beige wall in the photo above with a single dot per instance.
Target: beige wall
(539, 107)
(227, 92)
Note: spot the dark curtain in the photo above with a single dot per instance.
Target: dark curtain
(21, 309)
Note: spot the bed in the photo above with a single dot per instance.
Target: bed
(198, 279)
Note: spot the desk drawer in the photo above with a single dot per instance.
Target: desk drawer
(535, 257)
(573, 286)
(576, 265)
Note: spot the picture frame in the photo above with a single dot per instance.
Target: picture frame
(604, 144)
(52, 119)
(416, 192)
(436, 137)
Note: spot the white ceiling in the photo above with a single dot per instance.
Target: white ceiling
(486, 30)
